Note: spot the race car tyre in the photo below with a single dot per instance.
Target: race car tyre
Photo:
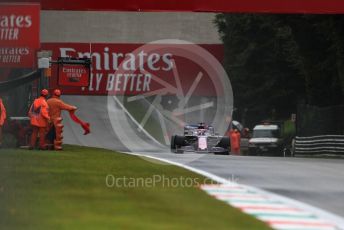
(176, 143)
(173, 143)
(224, 143)
(179, 140)
(222, 153)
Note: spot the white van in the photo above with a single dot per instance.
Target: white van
(266, 138)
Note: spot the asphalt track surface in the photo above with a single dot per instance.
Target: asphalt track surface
(314, 181)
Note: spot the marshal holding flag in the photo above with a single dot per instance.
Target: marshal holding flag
(56, 105)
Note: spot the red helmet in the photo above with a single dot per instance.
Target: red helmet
(57, 92)
(44, 92)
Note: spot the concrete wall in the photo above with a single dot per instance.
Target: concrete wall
(127, 27)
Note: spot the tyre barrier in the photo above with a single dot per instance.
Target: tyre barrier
(332, 144)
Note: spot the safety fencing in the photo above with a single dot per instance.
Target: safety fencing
(331, 144)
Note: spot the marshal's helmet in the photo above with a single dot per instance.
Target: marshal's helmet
(44, 92)
(57, 92)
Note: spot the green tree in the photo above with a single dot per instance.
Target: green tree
(276, 61)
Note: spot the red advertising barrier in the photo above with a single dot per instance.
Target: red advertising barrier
(19, 25)
(73, 75)
(21, 57)
(238, 6)
(133, 69)
(19, 34)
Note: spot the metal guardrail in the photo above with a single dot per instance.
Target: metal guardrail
(332, 144)
(19, 118)
(26, 78)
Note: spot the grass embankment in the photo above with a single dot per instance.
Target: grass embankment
(67, 190)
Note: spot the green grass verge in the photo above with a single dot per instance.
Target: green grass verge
(67, 190)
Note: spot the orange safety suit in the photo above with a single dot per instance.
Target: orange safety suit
(2, 118)
(39, 118)
(56, 105)
(235, 142)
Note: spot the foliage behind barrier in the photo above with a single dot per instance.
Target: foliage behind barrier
(315, 121)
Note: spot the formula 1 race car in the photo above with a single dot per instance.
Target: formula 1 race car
(200, 138)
